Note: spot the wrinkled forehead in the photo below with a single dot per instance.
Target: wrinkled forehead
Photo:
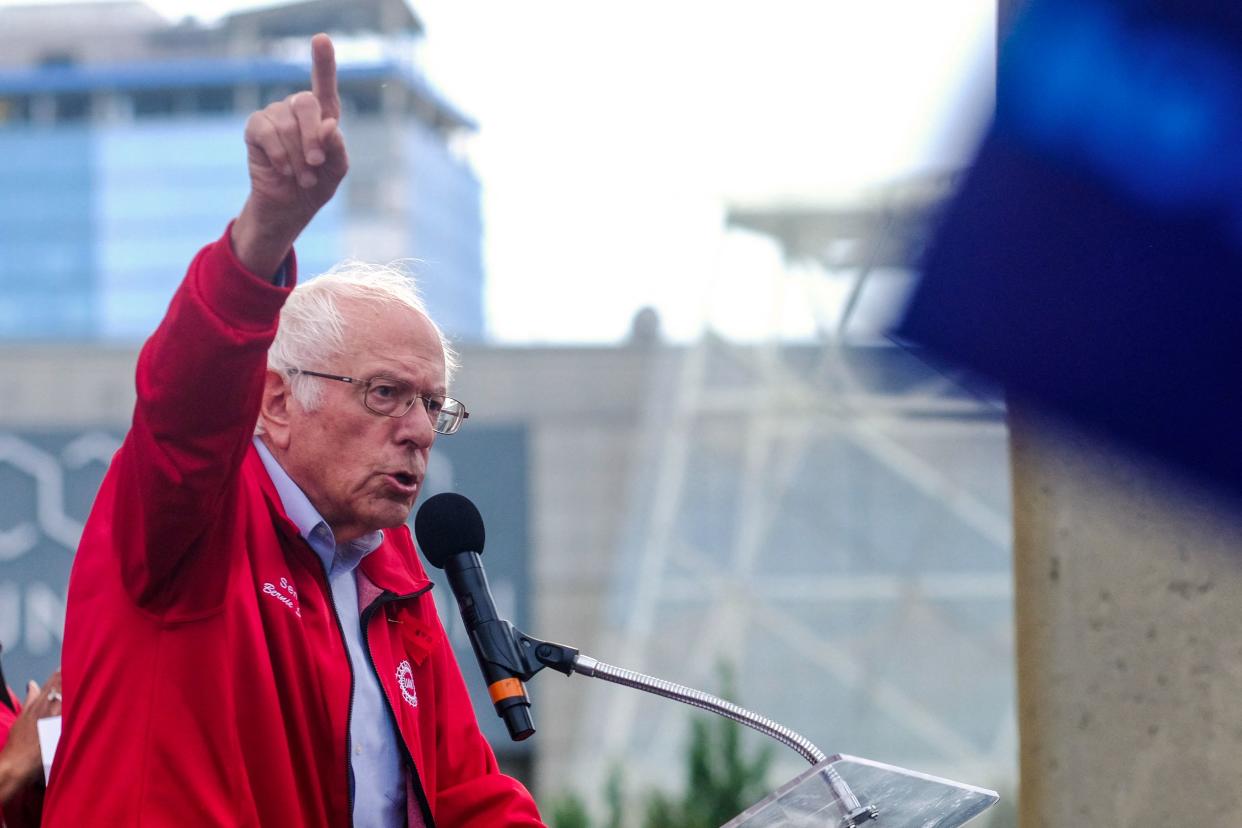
(394, 338)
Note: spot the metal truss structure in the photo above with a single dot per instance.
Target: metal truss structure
(830, 519)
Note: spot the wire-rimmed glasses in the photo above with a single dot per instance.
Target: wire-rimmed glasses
(393, 398)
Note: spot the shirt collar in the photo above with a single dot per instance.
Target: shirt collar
(311, 525)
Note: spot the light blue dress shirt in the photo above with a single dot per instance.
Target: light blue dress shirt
(376, 764)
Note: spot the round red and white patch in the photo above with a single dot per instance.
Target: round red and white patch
(405, 680)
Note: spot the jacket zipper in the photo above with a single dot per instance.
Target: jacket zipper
(384, 599)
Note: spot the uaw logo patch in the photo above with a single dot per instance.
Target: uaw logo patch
(405, 680)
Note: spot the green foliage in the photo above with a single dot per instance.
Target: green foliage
(721, 781)
(614, 797)
(569, 812)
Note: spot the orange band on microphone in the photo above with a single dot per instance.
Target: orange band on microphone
(505, 689)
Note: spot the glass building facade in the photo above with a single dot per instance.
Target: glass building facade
(116, 173)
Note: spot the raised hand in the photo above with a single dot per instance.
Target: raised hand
(297, 159)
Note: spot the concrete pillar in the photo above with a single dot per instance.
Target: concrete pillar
(1129, 638)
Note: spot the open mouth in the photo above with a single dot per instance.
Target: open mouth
(403, 485)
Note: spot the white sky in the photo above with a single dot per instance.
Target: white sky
(613, 134)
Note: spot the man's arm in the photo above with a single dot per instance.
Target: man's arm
(200, 376)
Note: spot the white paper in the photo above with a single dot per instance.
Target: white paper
(49, 736)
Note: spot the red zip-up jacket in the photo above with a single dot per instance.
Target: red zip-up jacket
(206, 679)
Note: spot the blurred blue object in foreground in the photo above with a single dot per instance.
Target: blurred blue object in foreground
(1093, 259)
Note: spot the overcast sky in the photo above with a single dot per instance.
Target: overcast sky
(612, 135)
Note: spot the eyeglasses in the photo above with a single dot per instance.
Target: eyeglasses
(394, 398)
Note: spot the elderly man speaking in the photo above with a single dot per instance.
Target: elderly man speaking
(250, 638)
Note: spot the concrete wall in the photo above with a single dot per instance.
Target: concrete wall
(1129, 607)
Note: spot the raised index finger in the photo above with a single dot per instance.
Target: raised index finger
(323, 76)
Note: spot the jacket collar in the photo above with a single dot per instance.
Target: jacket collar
(252, 468)
(395, 567)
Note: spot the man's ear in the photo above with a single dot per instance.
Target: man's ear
(274, 412)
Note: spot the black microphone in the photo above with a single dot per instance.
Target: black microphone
(450, 534)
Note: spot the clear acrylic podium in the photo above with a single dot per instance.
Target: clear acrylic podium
(873, 794)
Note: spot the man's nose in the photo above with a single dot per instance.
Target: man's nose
(415, 426)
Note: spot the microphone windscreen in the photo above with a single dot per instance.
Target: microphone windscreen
(446, 525)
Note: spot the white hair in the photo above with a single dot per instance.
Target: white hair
(312, 325)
